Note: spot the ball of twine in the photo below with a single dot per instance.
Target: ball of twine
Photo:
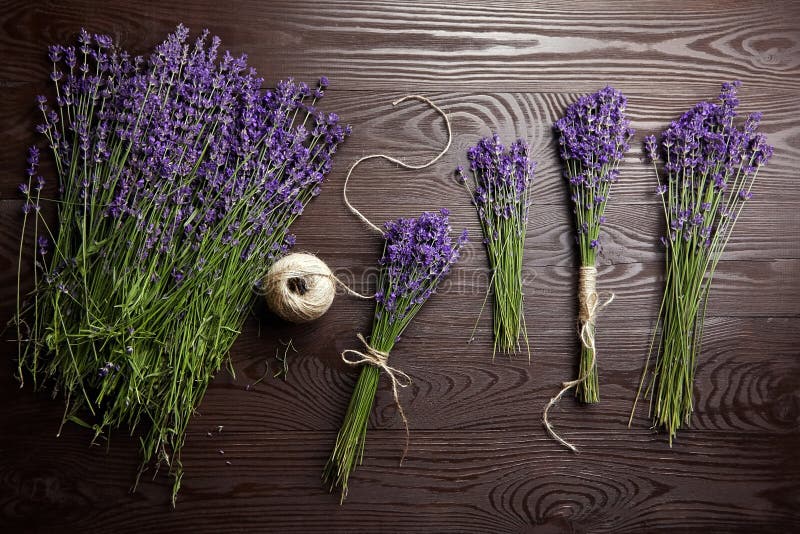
(299, 288)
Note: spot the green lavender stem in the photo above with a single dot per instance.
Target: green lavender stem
(681, 336)
(508, 321)
(348, 452)
(588, 390)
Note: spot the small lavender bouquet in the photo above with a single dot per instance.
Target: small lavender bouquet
(710, 166)
(417, 255)
(593, 137)
(178, 179)
(501, 193)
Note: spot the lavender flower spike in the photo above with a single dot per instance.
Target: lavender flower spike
(710, 166)
(418, 253)
(593, 137)
(501, 193)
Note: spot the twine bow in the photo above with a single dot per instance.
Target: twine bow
(589, 307)
(380, 359)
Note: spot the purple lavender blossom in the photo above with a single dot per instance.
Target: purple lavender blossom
(216, 166)
(43, 244)
(595, 132)
(651, 148)
(706, 154)
(108, 369)
(502, 180)
(418, 253)
(593, 137)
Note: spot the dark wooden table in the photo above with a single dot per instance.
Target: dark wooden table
(479, 459)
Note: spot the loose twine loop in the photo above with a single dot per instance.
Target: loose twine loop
(397, 161)
(589, 307)
(380, 359)
(372, 356)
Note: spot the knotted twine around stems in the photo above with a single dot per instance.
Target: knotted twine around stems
(372, 356)
(380, 359)
(589, 307)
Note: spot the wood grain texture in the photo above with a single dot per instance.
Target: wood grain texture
(479, 459)
(450, 45)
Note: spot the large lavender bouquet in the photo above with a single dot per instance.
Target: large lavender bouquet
(417, 255)
(501, 194)
(178, 179)
(710, 167)
(593, 137)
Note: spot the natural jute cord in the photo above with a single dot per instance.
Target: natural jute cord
(589, 307)
(395, 160)
(300, 288)
(371, 356)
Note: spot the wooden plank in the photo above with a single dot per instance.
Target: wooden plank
(479, 481)
(446, 46)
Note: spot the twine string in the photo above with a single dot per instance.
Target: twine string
(397, 161)
(589, 308)
(380, 359)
